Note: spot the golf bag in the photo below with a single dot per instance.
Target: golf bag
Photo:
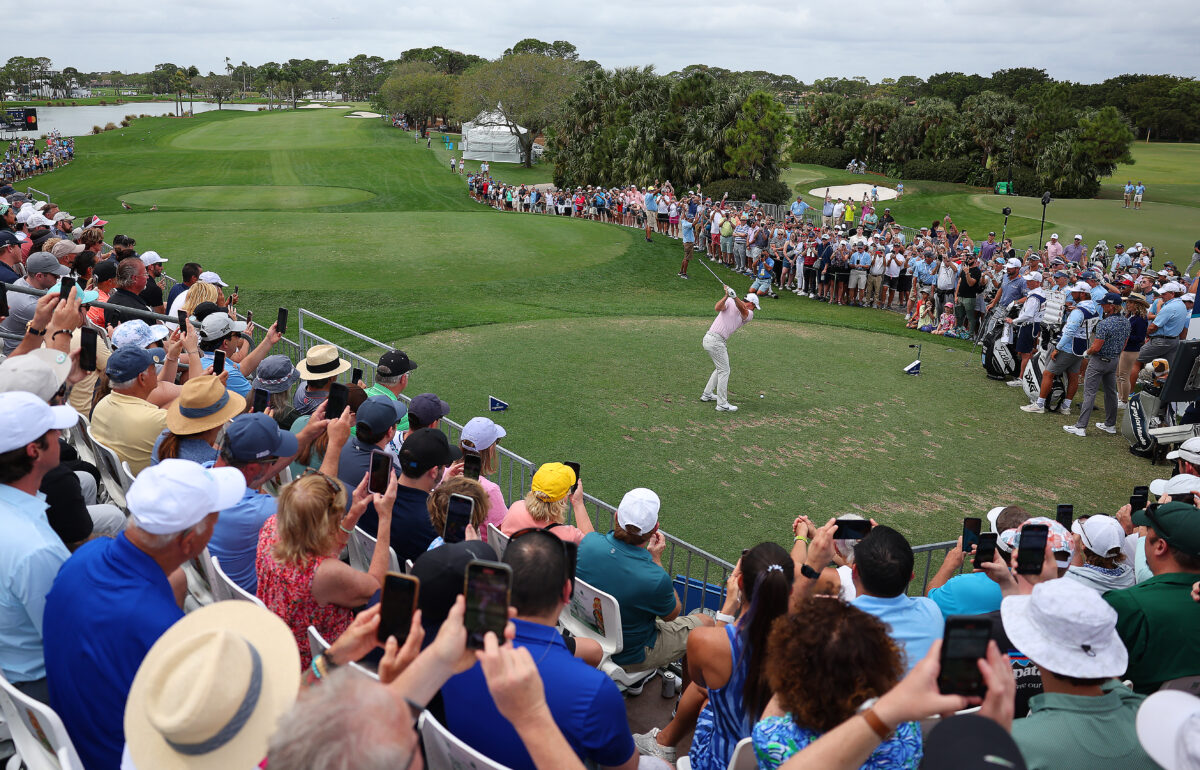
(1031, 381)
(1000, 360)
(1141, 415)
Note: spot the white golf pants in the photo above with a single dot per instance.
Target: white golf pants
(719, 381)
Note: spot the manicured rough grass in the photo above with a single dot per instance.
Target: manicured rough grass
(246, 197)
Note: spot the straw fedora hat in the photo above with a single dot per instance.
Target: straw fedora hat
(204, 403)
(321, 362)
(211, 689)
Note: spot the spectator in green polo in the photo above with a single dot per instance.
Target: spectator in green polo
(391, 378)
(1157, 618)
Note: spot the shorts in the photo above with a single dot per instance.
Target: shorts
(761, 284)
(1065, 363)
(673, 220)
(1027, 336)
(841, 276)
(662, 217)
(591, 210)
(858, 279)
(903, 283)
(1137, 199)
(726, 242)
(889, 281)
(687, 250)
(670, 645)
(753, 252)
(1158, 347)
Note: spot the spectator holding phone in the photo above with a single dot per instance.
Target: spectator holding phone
(375, 426)
(546, 505)
(276, 375)
(1100, 562)
(481, 436)
(318, 370)
(971, 593)
(219, 332)
(195, 418)
(439, 501)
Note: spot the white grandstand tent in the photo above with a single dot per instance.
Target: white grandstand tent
(488, 137)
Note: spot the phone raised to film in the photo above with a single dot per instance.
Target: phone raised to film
(575, 467)
(339, 397)
(381, 468)
(1064, 515)
(970, 535)
(218, 364)
(182, 315)
(356, 375)
(87, 349)
(486, 586)
(964, 642)
(1139, 498)
(262, 399)
(397, 604)
(1032, 550)
(851, 529)
(3, 303)
(472, 465)
(66, 287)
(250, 320)
(985, 551)
(281, 320)
(459, 509)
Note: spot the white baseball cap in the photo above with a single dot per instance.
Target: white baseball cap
(994, 514)
(60, 216)
(177, 494)
(24, 418)
(1102, 535)
(638, 509)
(1189, 297)
(1078, 237)
(209, 276)
(481, 433)
(1054, 236)
(1034, 276)
(1182, 483)
(752, 298)
(1013, 264)
(151, 258)
(1081, 286)
(40, 372)
(1175, 287)
(1065, 627)
(1168, 727)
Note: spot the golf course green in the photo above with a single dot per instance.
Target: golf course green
(586, 331)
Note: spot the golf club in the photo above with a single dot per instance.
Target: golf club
(710, 270)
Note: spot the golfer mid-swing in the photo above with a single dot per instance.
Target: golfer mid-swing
(731, 316)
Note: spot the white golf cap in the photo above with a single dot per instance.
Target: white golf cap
(177, 494)
(217, 325)
(1137, 245)
(151, 258)
(209, 276)
(24, 418)
(1054, 236)
(1066, 628)
(40, 372)
(1175, 287)
(1013, 264)
(60, 216)
(39, 205)
(638, 509)
(1081, 286)
(481, 433)
(1168, 727)
(1189, 297)
(994, 514)
(1078, 237)
(752, 298)
(1102, 535)
(1034, 276)
(1183, 483)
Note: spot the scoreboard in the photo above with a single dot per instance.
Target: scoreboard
(19, 119)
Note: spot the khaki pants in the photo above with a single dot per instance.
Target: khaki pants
(718, 381)
(670, 645)
(874, 284)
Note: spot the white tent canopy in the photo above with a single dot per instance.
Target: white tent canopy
(488, 137)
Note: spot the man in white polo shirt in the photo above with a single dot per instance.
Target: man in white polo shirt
(732, 314)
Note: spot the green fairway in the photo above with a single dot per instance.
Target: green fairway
(586, 331)
(1171, 173)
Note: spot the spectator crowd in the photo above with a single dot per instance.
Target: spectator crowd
(24, 159)
(821, 655)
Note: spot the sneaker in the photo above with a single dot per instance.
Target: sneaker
(1074, 431)
(812, 295)
(1109, 429)
(1122, 404)
(1014, 383)
(726, 408)
(648, 747)
(707, 397)
(683, 276)
(1033, 409)
(1063, 410)
(773, 295)
(798, 293)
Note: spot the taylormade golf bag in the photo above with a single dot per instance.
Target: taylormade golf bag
(1031, 381)
(1000, 360)
(1140, 416)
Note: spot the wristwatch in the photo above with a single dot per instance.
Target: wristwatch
(809, 572)
(35, 332)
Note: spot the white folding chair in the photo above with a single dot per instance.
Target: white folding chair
(111, 472)
(361, 547)
(594, 614)
(128, 477)
(41, 740)
(318, 645)
(76, 436)
(443, 749)
(226, 589)
(497, 539)
(1189, 684)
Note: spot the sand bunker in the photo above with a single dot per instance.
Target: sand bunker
(854, 191)
(361, 114)
(319, 106)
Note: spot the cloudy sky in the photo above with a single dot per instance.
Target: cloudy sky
(1082, 40)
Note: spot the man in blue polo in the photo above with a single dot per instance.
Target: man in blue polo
(650, 203)
(1067, 357)
(220, 332)
(585, 703)
(1162, 335)
(113, 599)
(251, 445)
(376, 421)
(799, 207)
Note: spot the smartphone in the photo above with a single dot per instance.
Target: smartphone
(218, 362)
(235, 289)
(851, 529)
(985, 551)
(356, 376)
(250, 319)
(339, 396)
(381, 467)
(87, 349)
(472, 466)
(1032, 551)
(397, 603)
(458, 515)
(66, 287)
(3, 302)
(281, 320)
(964, 642)
(487, 585)
(1137, 502)
(262, 399)
(182, 321)
(1065, 515)
(574, 467)
(970, 533)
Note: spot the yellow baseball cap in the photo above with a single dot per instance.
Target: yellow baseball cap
(552, 482)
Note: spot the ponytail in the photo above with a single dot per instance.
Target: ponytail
(767, 572)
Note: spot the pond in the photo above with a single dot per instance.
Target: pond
(78, 121)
